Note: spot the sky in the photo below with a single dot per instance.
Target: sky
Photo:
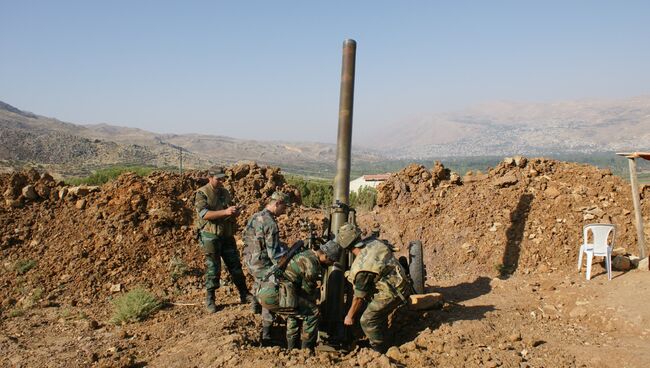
(270, 70)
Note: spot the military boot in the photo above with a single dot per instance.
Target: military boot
(292, 343)
(308, 345)
(210, 301)
(266, 335)
(244, 295)
(245, 298)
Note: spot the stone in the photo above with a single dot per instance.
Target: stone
(63, 192)
(9, 194)
(394, 353)
(552, 192)
(514, 337)
(621, 263)
(454, 178)
(116, 288)
(643, 264)
(618, 251)
(505, 181)
(578, 312)
(425, 301)
(81, 204)
(520, 161)
(634, 260)
(15, 203)
(29, 192)
(508, 161)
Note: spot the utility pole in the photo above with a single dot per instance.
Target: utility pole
(180, 153)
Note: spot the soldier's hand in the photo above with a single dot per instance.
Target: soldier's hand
(349, 321)
(232, 211)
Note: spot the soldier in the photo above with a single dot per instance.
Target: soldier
(304, 273)
(379, 279)
(262, 248)
(216, 214)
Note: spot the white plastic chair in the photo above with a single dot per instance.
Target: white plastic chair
(599, 247)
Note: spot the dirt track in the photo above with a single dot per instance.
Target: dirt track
(523, 219)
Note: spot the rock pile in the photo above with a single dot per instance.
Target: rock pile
(83, 241)
(522, 216)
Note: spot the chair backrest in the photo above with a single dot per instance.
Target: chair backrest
(601, 233)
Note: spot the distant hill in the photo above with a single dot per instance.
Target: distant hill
(495, 130)
(507, 128)
(72, 149)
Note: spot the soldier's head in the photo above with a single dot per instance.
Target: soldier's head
(278, 203)
(348, 234)
(216, 175)
(329, 253)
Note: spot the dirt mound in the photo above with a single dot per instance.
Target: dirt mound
(86, 243)
(522, 216)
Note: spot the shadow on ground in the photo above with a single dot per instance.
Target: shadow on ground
(408, 324)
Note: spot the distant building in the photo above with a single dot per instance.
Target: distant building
(368, 181)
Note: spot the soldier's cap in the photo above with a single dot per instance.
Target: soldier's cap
(332, 250)
(347, 234)
(279, 196)
(217, 171)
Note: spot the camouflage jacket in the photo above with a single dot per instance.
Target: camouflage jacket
(304, 271)
(377, 258)
(262, 246)
(207, 199)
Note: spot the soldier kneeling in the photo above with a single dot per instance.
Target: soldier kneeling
(295, 293)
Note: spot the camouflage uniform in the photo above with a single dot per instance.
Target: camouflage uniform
(304, 271)
(377, 276)
(217, 238)
(262, 248)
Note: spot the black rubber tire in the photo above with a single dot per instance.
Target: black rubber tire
(416, 266)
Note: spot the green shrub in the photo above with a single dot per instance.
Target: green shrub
(177, 268)
(134, 306)
(105, 175)
(16, 312)
(316, 193)
(364, 199)
(24, 265)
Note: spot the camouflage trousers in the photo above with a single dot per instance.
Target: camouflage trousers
(374, 321)
(309, 314)
(258, 275)
(215, 249)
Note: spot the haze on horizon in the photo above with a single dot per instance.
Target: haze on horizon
(271, 70)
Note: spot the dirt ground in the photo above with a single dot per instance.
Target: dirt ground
(501, 247)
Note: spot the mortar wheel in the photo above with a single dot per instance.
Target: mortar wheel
(416, 266)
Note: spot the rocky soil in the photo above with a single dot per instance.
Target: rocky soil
(500, 246)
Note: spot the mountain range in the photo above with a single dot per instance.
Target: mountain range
(507, 128)
(494, 129)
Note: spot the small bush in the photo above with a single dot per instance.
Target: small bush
(16, 312)
(134, 306)
(24, 265)
(177, 268)
(315, 193)
(364, 199)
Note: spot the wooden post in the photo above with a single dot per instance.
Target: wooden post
(637, 207)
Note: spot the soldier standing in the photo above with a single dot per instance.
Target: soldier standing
(377, 277)
(216, 222)
(304, 273)
(262, 249)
